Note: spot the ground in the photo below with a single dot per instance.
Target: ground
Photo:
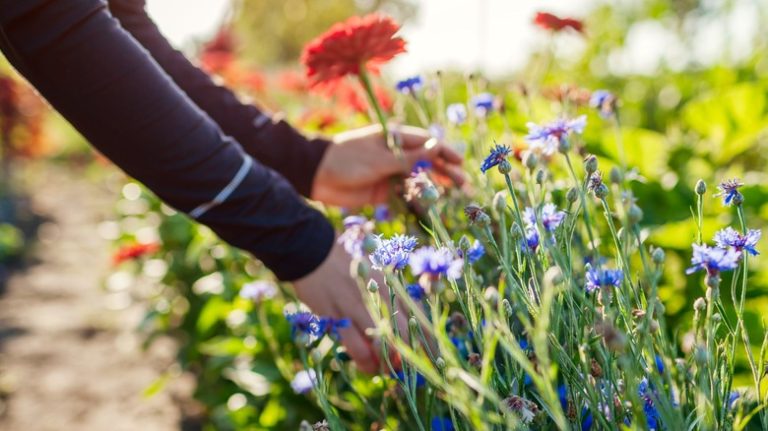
(69, 354)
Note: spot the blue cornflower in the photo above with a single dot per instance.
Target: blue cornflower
(498, 154)
(304, 325)
(562, 395)
(304, 381)
(598, 277)
(732, 398)
(548, 138)
(550, 217)
(258, 290)
(415, 291)
(420, 380)
(421, 165)
(605, 102)
(475, 252)
(647, 394)
(382, 213)
(435, 263)
(356, 228)
(441, 424)
(713, 260)
(729, 190)
(331, 326)
(483, 104)
(659, 364)
(410, 85)
(393, 252)
(456, 113)
(587, 419)
(532, 239)
(729, 237)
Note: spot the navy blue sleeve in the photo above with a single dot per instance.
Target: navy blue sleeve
(274, 143)
(102, 80)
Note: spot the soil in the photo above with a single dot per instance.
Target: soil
(70, 358)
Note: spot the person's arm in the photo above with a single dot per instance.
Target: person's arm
(274, 143)
(96, 75)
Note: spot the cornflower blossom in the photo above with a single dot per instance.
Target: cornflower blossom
(474, 253)
(415, 291)
(441, 424)
(410, 85)
(647, 394)
(548, 138)
(598, 277)
(532, 239)
(258, 291)
(356, 228)
(551, 218)
(498, 154)
(483, 104)
(456, 113)
(382, 213)
(729, 237)
(524, 408)
(729, 190)
(331, 326)
(421, 166)
(713, 260)
(393, 252)
(304, 326)
(733, 397)
(304, 381)
(435, 263)
(605, 103)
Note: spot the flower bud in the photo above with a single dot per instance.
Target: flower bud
(530, 160)
(505, 167)
(500, 202)
(464, 243)
(601, 191)
(590, 164)
(516, 232)
(738, 199)
(373, 286)
(477, 216)
(563, 145)
(700, 304)
(634, 214)
(701, 187)
(572, 196)
(370, 243)
(413, 324)
(541, 176)
(507, 307)
(717, 317)
(430, 195)
(658, 256)
(440, 363)
(362, 269)
(615, 176)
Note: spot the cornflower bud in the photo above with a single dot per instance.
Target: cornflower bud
(477, 216)
(500, 202)
(516, 232)
(590, 164)
(700, 304)
(413, 324)
(615, 176)
(601, 191)
(541, 176)
(464, 243)
(701, 187)
(362, 269)
(530, 160)
(373, 286)
(440, 363)
(634, 214)
(572, 196)
(507, 307)
(658, 256)
(370, 244)
(505, 167)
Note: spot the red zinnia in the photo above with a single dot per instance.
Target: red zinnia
(551, 22)
(366, 42)
(134, 251)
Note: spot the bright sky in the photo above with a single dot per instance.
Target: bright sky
(494, 36)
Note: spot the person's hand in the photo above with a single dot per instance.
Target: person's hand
(356, 169)
(330, 291)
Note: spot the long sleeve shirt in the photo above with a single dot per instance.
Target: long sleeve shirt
(166, 124)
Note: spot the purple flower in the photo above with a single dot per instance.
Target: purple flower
(548, 138)
(456, 113)
(532, 239)
(729, 190)
(713, 260)
(435, 263)
(729, 237)
(304, 381)
(393, 252)
(550, 217)
(258, 291)
(483, 104)
(732, 398)
(304, 325)
(331, 326)
(648, 394)
(415, 291)
(598, 277)
(475, 252)
(410, 85)
(356, 228)
(605, 102)
(381, 213)
(498, 154)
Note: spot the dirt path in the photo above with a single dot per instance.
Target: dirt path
(68, 357)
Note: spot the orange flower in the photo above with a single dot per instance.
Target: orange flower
(292, 81)
(134, 251)
(547, 21)
(366, 42)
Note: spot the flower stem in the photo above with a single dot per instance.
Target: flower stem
(365, 80)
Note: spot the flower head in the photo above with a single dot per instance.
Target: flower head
(713, 260)
(304, 381)
(598, 277)
(474, 253)
(410, 85)
(331, 326)
(393, 252)
(729, 190)
(382, 213)
(605, 102)
(441, 424)
(551, 22)
(415, 291)
(648, 394)
(356, 228)
(346, 48)
(547, 139)
(524, 408)
(419, 187)
(551, 217)
(498, 154)
(483, 104)
(435, 263)
(258, 290)
(304, 325)
(456, 113)
(729, 237)
(532, 239)
(133, 252)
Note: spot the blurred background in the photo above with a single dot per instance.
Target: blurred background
(97, 332)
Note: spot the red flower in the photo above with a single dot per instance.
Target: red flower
(292, 81)
(366, 42)
(547, 21)
(219, 52)
(134, 251)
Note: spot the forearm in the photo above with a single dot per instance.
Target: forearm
(274, 143)
(102, 81)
